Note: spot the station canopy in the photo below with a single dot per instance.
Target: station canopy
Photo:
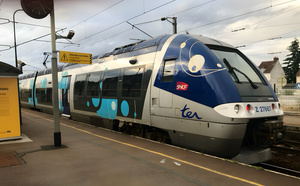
(8, 70)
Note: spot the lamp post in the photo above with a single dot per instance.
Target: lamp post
(40, 9)
(16, 61)
(57, 133)
(15, 37)
(174, 23)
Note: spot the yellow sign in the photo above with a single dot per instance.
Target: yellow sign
(9, 108)
(75, 57)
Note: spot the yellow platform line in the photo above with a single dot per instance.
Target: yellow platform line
(153, 152)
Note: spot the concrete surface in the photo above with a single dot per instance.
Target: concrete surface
(95, 156)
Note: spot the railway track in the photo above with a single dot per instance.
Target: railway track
(286, 158)
(295, 145)
(279, 169)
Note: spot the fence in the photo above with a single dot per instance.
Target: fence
(289, 97)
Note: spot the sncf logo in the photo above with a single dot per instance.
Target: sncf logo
(181, 86)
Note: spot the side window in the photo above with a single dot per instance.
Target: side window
(44, 95)
(132, 82)
(93, 88)
(79, 85)
(79, 92)
(25, 93)
(110, 83)
(168, 72)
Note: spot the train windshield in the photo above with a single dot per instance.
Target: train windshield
(247, 78)
(239, 69)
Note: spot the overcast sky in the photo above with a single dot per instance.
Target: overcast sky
(262, 28)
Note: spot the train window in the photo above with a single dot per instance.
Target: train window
(132, 82)
(93, 87)
(168, 72)
(110, 83)
(80, 92)
(79, 85)
(44, 96)
(25, 94)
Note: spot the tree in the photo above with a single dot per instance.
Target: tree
(292, 62)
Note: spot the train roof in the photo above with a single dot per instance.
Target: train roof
(141, 47)
(49, 70)
(144, 46)
(210, 41)
(133, 49)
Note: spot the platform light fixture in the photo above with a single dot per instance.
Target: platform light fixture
(69, 36)
(174, 22)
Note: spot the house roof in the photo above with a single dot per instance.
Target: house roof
(266, 66)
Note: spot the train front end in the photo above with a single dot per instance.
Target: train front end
(259, 105)
(223, 103)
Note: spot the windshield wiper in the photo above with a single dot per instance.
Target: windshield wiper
(231, 70)
(250, 81)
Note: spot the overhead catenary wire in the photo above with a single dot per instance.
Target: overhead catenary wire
(188, 9)
(107, 38)
(122, 22)
(97, 14)
(236, 16)
(133, 26)
(279, 36)
(181, 11)
(17, 22)
(35, 39)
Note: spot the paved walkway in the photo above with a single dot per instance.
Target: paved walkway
(94, 156)
(292, 118)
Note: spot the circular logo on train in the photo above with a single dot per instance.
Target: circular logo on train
(193, 59)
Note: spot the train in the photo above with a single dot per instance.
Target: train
(191, 91)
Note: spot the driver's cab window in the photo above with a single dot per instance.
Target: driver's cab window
(168, 71)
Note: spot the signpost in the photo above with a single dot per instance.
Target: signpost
(281, 82)
(9, 103)
(9, 106)
(297, 86)
(75, 57)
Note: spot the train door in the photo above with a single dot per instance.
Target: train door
(65, 95)
(162, 100)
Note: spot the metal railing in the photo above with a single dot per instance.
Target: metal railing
(289, 96)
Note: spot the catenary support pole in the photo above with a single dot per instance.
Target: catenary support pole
(57, 134)
(174, 25)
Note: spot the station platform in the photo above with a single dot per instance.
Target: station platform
(96, 156)
(292, 118)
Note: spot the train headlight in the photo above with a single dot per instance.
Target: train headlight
(275, 108)
(236, 108)
(250, 109)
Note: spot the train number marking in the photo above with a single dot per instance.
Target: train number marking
(263, 109)
(189, 114)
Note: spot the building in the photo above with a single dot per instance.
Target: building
(273, 71)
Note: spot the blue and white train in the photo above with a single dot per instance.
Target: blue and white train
(192, 91)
